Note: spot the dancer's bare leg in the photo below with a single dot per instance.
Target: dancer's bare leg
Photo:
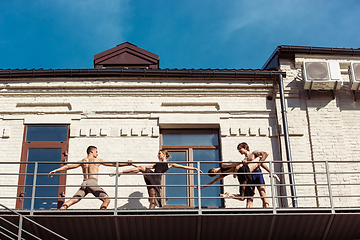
(106, 202)
(70, 202)
(242, 191)
(129, 170)
(152, 200)
(249, 203)
(235, 196)
(254, 164)
(264, 199)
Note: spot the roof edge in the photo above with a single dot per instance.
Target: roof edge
(191, 73)
(291, 50)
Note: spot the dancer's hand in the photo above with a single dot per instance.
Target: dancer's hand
(112, 174)
(51, 173)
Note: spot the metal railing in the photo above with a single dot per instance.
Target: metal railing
(10, 235)
(320, 185)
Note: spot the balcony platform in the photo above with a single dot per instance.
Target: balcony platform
(207, 224)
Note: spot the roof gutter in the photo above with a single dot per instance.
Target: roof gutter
(200, 73)
(319, 50)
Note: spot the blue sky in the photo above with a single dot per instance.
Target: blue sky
(185, 34)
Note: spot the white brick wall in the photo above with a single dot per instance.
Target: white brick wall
(330, 133)
(123, 117)
(10, 147)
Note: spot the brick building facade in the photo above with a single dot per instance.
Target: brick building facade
(127, 106)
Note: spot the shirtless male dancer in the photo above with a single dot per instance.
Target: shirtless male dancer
(90, 183)
(258, 179)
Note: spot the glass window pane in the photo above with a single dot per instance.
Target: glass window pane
(190, 137)
(42, 155)
(46, 133)
(213, 190)
(176, 180)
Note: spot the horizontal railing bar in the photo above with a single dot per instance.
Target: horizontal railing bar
(181, 211)
(194, 162)
(207, 197)
(168, 185)
(188, 185)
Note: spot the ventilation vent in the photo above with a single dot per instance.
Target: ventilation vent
(354, 72)
(317, 71)
(322, 75)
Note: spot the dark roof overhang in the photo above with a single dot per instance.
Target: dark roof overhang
(288, 51)
(139, 73)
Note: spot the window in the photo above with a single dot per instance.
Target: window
(189, 146)
(44, 148)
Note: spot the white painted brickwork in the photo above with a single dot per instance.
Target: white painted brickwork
(123, 118)
(331, 133)
(10, 148)
(124, 123)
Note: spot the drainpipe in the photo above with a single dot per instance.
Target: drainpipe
(287, 140)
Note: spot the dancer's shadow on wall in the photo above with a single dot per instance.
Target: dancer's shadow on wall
(134, 201)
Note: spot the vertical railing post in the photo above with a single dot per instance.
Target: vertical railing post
(329, 186)
(272, 187)
(199, 190)
(33, 189)
(20, 227)
(116, 187)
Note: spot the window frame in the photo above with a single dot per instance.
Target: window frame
(26, 145)
(189, 157)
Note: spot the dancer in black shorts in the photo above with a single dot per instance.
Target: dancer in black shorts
(244, 179)
(155, 179)
(249, 160)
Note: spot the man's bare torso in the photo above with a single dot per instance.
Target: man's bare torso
(90, 170)
(250, 156)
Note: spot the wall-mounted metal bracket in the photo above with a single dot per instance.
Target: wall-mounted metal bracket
(332, 91)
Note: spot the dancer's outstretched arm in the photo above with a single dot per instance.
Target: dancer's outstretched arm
(175, 165)
(65, 167)
(263, 155)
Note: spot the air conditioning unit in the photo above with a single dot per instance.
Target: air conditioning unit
(322, 75)
(354, 73)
